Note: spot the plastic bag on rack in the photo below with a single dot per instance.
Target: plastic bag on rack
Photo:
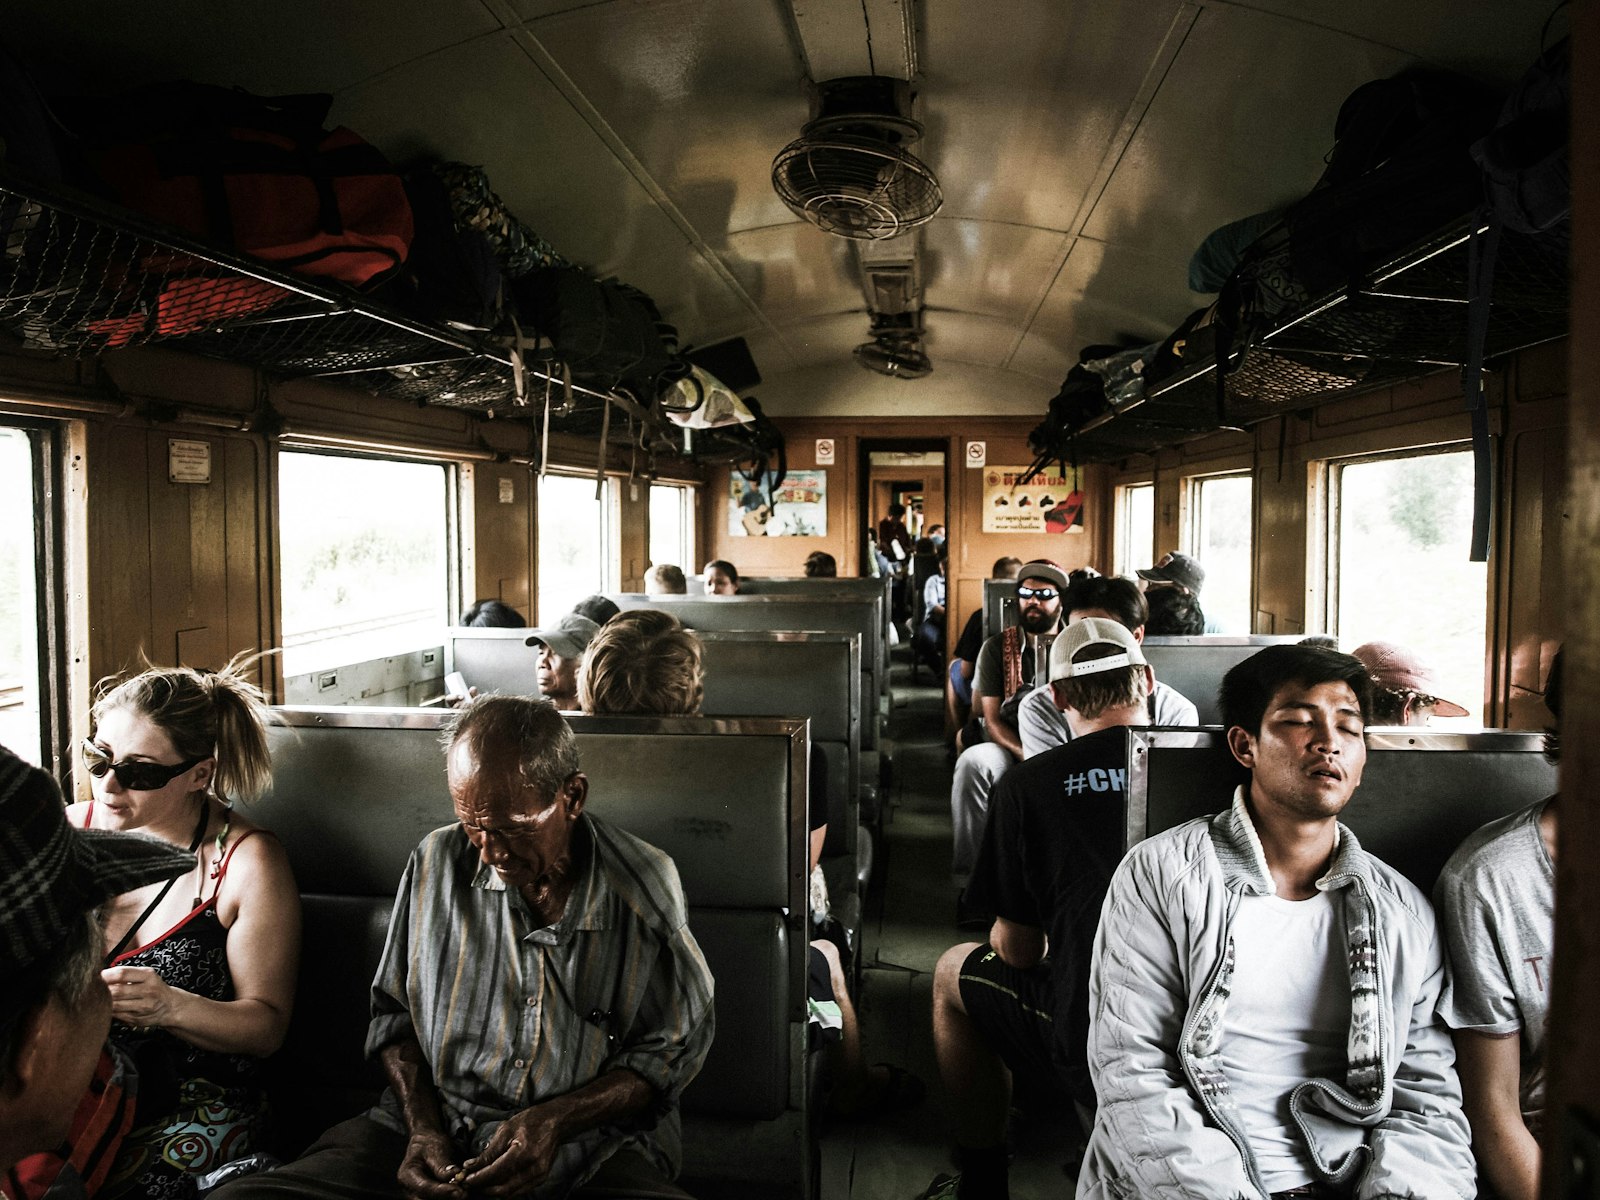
(702, 401)
(1123, 374)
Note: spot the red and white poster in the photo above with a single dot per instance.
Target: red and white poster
(1047, 503)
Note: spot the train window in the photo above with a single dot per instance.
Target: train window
(365, 553)
(1220, 536)
(672, 525)
(574, 542)
(1135, 527)
(1399, 528)
(21, 691)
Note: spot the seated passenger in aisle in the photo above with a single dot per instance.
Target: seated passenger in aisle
(1174, 613)
(931, 636)
(1263, 998)
(722, 578)
(645, 661)
(597, 608)
(541, 1002)
(561, 649)
(1008, 666)
(492, 614)
(55, 1009)
(1182, 572)
(1053, 839)
(664, 579)
(1041, 722)
(1405, 691)
(965, 660)
(1496, 902)
(821, 565)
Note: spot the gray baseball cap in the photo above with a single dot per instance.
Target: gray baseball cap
(569, 637)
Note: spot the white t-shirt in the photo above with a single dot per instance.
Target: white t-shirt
(1042, 726)
(1288, 1020)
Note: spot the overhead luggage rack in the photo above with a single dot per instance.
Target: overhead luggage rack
(79, 277)
(1405, 319)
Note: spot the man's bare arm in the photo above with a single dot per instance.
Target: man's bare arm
(996, 728)
(429, 1170)
(1491, 1077)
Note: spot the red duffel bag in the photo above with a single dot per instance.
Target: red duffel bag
(259, 175)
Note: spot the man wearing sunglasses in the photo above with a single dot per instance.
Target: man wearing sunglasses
(1007, 667)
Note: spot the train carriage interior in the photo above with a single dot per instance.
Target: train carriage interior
(321, 323)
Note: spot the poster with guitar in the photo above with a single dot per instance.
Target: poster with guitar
(797, 507)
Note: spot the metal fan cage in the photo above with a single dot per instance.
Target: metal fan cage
(855, 186)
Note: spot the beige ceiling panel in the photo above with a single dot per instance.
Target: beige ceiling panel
(1021, 104)
(96, 45)
(995, 270)
(969, 338)
(793, 271)
(771, 352)
(1103, 296)
(954, 389)
(826, 339)
(528, 10)
(702, 92)
(550, 168)
(1491, 39)
(1240, 124)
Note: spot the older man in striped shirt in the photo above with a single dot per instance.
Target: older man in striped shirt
(541, 1003)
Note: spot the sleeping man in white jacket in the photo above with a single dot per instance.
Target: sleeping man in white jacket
(1263, 991)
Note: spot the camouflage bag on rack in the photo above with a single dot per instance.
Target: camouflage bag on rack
(476, 206)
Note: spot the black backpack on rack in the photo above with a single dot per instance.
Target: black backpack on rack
(1082, 398)
(1400, 169)
(605, 331)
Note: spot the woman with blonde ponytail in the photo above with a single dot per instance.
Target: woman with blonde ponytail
(201, 970)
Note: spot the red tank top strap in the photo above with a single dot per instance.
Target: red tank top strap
(219, 870)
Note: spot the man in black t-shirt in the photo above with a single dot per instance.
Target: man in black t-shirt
(1053, 839)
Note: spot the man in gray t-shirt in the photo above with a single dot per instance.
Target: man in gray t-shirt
(1496, 904)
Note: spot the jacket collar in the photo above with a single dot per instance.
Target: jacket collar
(1244, 862)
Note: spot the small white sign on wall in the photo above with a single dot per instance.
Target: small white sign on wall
(977, 453)
(824, 452)
(508, 491)
(188, 462)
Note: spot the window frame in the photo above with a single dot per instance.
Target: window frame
(1329, 475)
(456, 536)
(50, 444)
(610, 531)
(1124, 560)
(1190, 492)
(688, 510)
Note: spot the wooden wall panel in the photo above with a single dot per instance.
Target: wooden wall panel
(502, 533)
(176, 568)
(632, 514)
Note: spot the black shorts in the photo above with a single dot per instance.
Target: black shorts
(1014, 1011)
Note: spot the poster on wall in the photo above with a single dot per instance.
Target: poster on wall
(1047, 503)
(798, 508)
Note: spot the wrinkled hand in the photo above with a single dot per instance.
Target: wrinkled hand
(429, 1170)
(140, 997)
(518, 1156)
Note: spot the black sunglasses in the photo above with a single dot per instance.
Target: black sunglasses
(1044, 593)
(135, 776)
